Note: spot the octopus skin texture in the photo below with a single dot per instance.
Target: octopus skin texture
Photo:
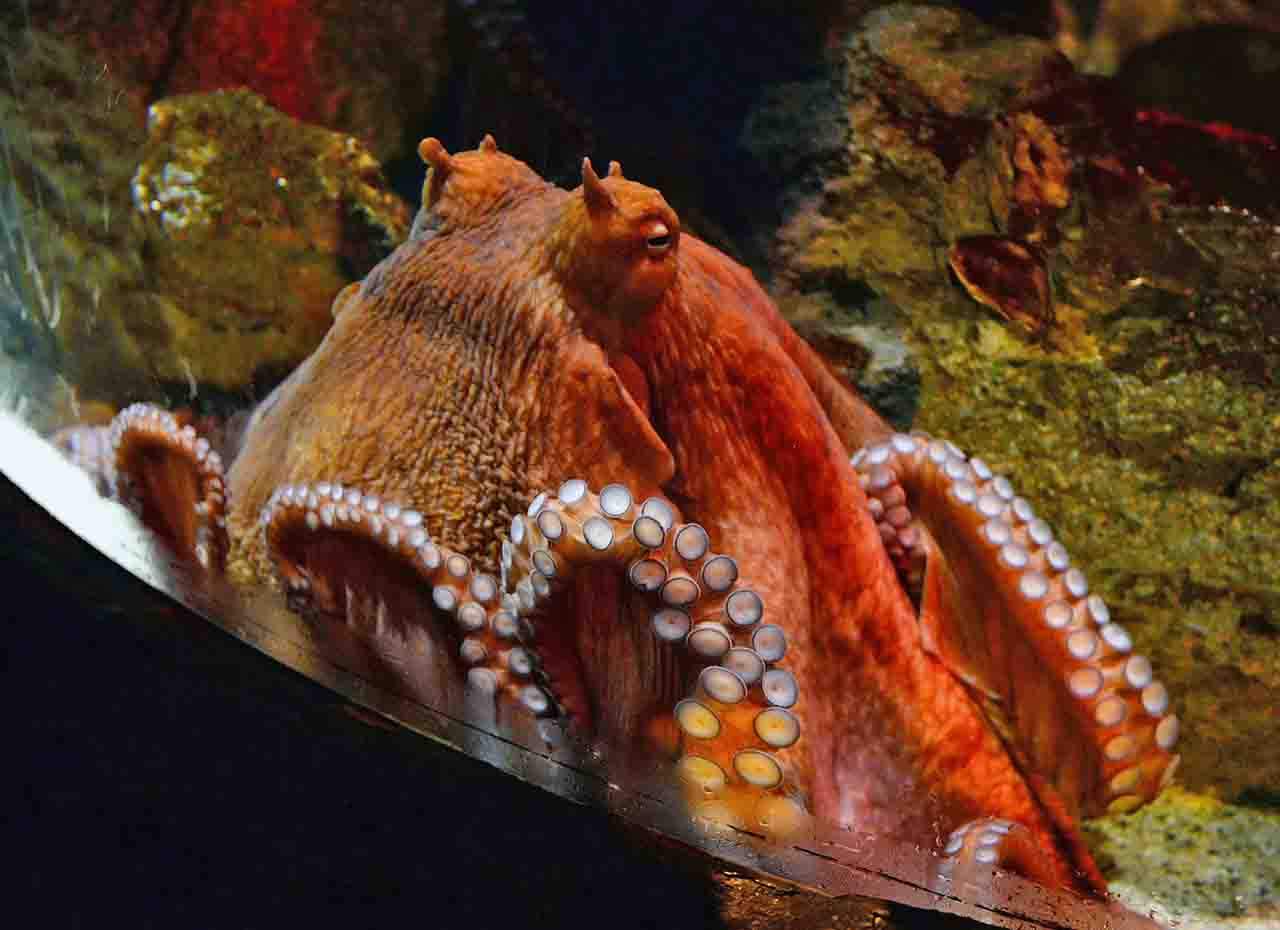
(575, 458)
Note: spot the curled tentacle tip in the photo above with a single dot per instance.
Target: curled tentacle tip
(488, 144)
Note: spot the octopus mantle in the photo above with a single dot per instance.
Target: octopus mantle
(893, 642)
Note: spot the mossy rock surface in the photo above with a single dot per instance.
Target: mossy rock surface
(1194, 859)
(173, 254)
(253, 222)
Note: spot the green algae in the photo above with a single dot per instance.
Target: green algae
(173, 260)
(1194, 860)
(253, 221)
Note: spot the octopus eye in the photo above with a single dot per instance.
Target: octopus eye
(659, 240)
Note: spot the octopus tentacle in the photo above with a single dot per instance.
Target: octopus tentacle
(307, 525)
(739, 725)
(975, 849)
(89, 449)
(173, 479)
(905, 540)
(1002, 605)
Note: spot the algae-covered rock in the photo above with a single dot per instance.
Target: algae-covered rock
(1144, 420)
(252, 222)
(70, 250)
(158, 259)
(1197, 860)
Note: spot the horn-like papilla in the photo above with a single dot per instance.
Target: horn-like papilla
(440, 164)
(594, 192)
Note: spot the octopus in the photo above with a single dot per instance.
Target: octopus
(575, 458)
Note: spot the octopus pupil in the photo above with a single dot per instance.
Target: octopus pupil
(659, 242)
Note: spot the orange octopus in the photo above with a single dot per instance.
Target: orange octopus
(725, 549)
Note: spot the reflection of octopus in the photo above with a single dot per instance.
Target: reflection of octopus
(529, 338)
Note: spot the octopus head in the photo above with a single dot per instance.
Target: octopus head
(463, 189)
(617, 244)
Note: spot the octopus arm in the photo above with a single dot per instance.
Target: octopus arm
(895, 743)
(172, 478)
(1006, 611)
(735, 730)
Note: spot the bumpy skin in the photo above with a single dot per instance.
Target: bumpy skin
(527, 335)
(453, 379)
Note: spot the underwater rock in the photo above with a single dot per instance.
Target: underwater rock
(1144, 421)
(1214, 865)
(71, 266)
(252, 222)
(210, 264)
(368, 70)
(1100, 35)
(1240, 88)
(917, 91)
